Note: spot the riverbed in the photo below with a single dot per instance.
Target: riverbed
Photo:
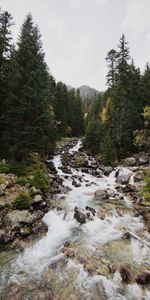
(92, 270)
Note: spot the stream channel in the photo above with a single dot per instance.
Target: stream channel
(95, 251)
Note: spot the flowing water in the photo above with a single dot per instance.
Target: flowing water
(98, 242)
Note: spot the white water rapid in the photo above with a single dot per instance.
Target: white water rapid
(96, 238)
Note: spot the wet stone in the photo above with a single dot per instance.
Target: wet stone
(126, 275)
(101, 195)
(143, 278)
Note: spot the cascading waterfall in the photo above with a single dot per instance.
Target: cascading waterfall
(96, 233)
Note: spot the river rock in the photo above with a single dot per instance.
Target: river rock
(129, 161)
(89, 267)
(2, 189)
(101, 195)
(111, 193)
(34, 291)
(80, 216)
(107, 170)
(91, 209)
(143, 159)
(129, 188)
(143, 278)
(75, 183)
(102, 214)
(6, 235)
(103, 270)
(138, 176)
(126, 275)
(51, 166)
(80, 161)
(37, 199)
(35, 191)
(127, 235)
(123, 179)
(69, 252)
(17, 217)
(2, 235)
(40, 227)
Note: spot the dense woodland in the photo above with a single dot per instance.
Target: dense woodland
(36, 111)
(119, 122)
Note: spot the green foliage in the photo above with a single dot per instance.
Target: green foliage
(94, 136)
(22, 201)
(22, 180)
(19, 169)
(142, 137)
(68, 111)
(111, 61)
(120, 110)
(5, 168)
(108, 151)
(145, 86)
(146, 190)
(28, 119)
(5, 52)
(40, 181)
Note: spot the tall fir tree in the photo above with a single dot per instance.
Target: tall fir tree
(6, 21)
(145, 86)
(78, 116)
(111, 62)
(29, 122)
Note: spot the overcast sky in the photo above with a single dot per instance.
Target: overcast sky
(77, 34)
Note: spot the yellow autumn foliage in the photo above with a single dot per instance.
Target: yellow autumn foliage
(105, 111)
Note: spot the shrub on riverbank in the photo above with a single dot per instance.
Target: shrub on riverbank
(40, 181)
(22, 201)
(19, 169)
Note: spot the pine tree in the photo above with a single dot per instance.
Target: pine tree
(111, 61)
(29, 122)
(78, 119)
(121, 114)
(108, 151)
(142, 137)
(123, 57)
(145, 86)
(6, 21)
(135, 95)
(94, 136)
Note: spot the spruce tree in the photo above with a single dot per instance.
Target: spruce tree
(6, 21)
(29, 117)
(121, 114)
(78, 118)
(94, 136)
(145, 86)
(111, 61)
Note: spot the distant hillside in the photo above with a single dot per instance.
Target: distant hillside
(87, 94)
